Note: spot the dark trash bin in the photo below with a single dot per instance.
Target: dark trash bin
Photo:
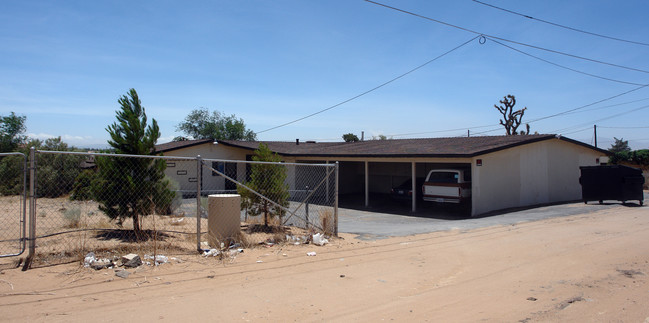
(615, 182)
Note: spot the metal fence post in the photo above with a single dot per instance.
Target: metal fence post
(32, 209)
(199, 168)
(306, 206)
(23, 219)
(336, 202)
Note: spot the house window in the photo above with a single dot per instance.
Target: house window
(219, 166)
(171, 164)
(181, 172)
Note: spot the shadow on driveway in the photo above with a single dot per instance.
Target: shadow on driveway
(386, 218)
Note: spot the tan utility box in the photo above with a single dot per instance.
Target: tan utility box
(223, 218)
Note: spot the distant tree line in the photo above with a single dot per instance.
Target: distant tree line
(622, 153)
(203, 124)
(56, 172)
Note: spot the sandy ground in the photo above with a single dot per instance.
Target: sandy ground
(583, 268)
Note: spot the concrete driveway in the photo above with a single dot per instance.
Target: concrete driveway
(368, 225)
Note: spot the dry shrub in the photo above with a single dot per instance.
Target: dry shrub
(327, 222)
(243, 240)
(72, 217)
(279, 237)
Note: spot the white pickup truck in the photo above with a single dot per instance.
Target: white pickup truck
(447, 186)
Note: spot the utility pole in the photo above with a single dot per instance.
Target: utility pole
(595, 132)
(468, 132)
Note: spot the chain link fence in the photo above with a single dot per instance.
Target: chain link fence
(13, 203)
(115, 204)
(280, 202)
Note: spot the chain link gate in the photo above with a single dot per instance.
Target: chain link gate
(13, 203)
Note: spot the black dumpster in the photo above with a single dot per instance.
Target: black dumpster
(616, 182)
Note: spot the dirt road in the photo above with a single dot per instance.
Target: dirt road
(583, 268)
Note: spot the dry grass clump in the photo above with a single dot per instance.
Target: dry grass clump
(327, 224)
(72, 217)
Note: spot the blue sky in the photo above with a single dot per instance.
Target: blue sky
(65, 64)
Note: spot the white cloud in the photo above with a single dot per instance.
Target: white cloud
(41, 136)
(166, 139)
(69, 139)
(65, 138)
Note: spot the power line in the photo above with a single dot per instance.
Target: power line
(562, 26)
(580, 130)
(562, 66)
(437, 131)
(507, 40)
(608, 106)
(588, 105)
(602, 119)
(623, 127)
(372, 89)
(488, 131)
(567, 112)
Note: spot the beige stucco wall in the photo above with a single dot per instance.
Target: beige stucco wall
(208, 151)
(532, 174)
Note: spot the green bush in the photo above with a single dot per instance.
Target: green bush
(82, 190)
(12, 175)
(166, 197)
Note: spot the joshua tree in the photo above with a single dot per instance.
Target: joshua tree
(511, 119)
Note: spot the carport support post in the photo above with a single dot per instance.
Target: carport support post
(414, 187)
(367, 183)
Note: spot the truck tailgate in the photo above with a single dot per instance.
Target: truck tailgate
(443, 191)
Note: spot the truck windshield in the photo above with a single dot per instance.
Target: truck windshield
(443, 177)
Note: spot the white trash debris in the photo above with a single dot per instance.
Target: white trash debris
(211, 252)
(311, 254)
(159, 259)
(297, 240)
(319, 239)
(89, 259)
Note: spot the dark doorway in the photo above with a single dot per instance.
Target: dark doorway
(231, 171)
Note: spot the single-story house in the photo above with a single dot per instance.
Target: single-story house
(506, 171)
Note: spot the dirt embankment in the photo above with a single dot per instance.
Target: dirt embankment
(581, 268)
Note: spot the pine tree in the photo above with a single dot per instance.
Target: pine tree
(269, 181)
(128, 187)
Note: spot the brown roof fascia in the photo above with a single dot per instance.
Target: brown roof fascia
(180, 144)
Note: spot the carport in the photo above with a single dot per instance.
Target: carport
(380, 175)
